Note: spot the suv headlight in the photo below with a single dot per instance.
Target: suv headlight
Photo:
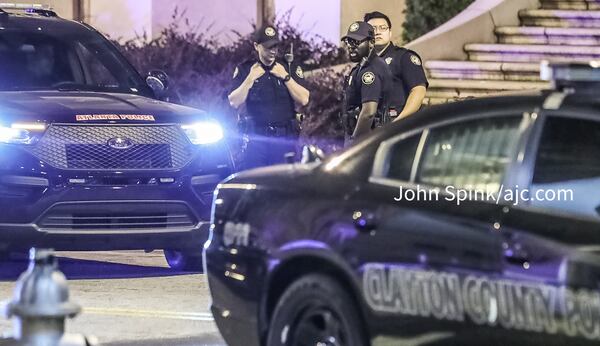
(205, 132)
(21, 133)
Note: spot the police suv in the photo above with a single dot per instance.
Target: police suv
(475, 222)
(90, 159)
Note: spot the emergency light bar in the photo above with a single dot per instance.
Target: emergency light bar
(15, 6)
(43, 10)
(570, 73)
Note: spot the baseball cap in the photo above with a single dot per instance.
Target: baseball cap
(267, 35)
(360, 31)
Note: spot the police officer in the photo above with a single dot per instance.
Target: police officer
(270, 89)
(367, 87)
(410, 82)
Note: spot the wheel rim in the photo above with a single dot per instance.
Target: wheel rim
(318, 325)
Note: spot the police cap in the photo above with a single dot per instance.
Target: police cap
(267, 35)
(360, 31)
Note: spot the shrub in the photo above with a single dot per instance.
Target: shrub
(423, 16)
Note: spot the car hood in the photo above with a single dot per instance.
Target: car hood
(90, 107)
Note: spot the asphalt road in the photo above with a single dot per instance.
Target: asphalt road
(129, 298)
(132, 299)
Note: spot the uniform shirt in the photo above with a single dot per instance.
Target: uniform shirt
(369, 82)
(269, 102)
(407, 70)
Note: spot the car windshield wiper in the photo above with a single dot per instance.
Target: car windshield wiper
(70, 86)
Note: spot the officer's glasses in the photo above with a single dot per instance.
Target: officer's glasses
(381, 28)
(352, 42)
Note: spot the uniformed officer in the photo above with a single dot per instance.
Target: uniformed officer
(410, 82)
(368, 85)
(270, 89)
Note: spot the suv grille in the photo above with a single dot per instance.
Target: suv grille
(86, 147)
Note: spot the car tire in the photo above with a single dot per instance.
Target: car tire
(184, 260)
(316, 310)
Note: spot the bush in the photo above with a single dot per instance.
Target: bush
(201, 70)
(422, 16)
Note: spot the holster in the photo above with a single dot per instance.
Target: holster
(349, 120)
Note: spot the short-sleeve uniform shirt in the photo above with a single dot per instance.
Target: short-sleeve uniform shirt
(269, 101)
(369, 82)
(407, 71)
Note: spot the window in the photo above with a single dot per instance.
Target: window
(568, 166)
(96, 73)
(471, 155)
(401, 158)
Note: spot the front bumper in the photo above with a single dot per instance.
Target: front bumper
(107, 210)
(236, 279)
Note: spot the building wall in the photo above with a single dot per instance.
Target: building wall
(221, 19)
(353, 10)
(122, 19)
(315, 17)
(128, 19)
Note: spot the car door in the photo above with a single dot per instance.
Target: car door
(421, 241)
(555, 234)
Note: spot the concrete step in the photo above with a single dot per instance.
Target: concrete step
(552, 36)
(570, 5)
(478, 88)
(430, 101)
(531, 53)
(439, 69)
(560, 18)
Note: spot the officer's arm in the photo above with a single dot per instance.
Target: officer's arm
(297, 91)
(368, 111)
(239, 95)
(300, 94)
(413, 102)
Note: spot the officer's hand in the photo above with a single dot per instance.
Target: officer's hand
(256, 72)
(279, 71)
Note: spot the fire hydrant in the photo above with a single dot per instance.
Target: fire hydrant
(41, 305)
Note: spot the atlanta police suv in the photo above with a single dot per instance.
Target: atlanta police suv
(475, 222)
(89, 157)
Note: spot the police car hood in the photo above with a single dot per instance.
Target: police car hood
(90, 107)
(284, 177)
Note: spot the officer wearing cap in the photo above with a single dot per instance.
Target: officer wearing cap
(367, 87)
(270, 89)
(410, 82)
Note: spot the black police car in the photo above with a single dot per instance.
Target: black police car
(90, 159)
(475, 222)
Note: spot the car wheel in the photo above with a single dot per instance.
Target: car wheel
(315, 310)
(184, 260)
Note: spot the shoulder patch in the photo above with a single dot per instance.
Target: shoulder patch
(389, 60)
(236, 72)
(415, 60)
(368, 78)
(299, 72)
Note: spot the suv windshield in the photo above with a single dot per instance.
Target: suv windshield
(31, 60)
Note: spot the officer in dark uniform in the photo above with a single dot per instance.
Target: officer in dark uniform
(410, 82)
(269, 89)
(367, 87)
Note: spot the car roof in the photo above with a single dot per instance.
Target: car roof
(584, 98)
(32, 21)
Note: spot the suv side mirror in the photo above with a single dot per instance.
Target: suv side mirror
(158, 81)
(312, 153)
